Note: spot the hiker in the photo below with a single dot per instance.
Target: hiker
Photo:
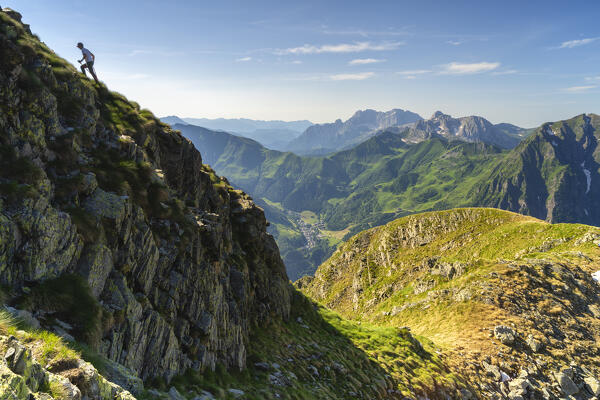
(89, 61)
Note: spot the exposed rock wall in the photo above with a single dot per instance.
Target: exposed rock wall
(180, 262)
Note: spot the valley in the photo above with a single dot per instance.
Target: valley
(389, 176)
(413, 259)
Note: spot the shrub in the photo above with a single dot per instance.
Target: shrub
(70, 298)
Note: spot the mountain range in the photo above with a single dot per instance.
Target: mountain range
(315, 202)
(130, 270)
(272, 134)
(327, 138)
(470, 129)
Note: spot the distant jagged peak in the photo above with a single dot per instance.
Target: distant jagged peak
(438, 114)
(371, 115)
(470, 128)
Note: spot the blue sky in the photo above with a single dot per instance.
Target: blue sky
(523, 62)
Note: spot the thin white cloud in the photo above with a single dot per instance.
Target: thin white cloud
(296, 62)
(356, 47)
(454, 42)
(352, 77)
(244, 59)
(569, 44)
(507, 72)
(364, 61)
(592, 78)
(579, 89)
(414, 72)
(456, 68)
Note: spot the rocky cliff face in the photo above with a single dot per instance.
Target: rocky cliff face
(339, 135)
(470, 129)
(180, 264)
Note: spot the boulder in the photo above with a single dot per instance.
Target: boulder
(565, 381)
(534, 344)
(505, 334)
(174, 394)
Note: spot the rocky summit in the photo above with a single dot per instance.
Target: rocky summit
(471, 129)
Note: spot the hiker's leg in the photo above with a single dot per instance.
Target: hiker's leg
(94, 74)
(83, 67)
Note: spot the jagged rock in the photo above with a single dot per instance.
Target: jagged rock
(204, 396)
(505, 334)
(565, 381)
(11, 383)
(278, 379)
(492, 370)
(595, 310)
(76, 378)
(263, 366)
(339, 368)
(534, 344)
(95, 265)
(592, 385)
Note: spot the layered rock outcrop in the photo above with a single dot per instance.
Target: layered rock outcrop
(91, 185)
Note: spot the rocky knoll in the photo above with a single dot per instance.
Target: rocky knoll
(178, 265)
(512, 301)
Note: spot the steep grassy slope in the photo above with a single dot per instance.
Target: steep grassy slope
(454, 276)
(320, 355)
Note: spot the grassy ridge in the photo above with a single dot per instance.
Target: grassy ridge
(452, 276)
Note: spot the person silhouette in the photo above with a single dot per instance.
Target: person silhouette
(89, 58)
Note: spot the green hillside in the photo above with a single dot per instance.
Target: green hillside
(456, 276)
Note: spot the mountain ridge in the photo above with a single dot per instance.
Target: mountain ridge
(274, 134)
(334, 136)
(511, 299)
(93, 186)
(387, 177)
(471, 129)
